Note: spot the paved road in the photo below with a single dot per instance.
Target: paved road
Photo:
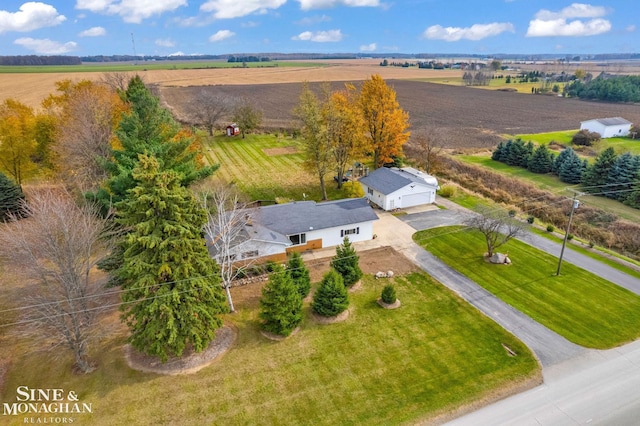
(600, 389)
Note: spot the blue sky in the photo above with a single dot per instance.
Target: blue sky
(166, 27)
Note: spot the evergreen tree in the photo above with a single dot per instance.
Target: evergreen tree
(172, 295)
(541, 160)
(595, 176)
(281, 304)
(11, 197)
(623, 174)
(572, 169)
(518, 153)
(331, 298)
(299, 273)
(345, 262)
(633, 199)
(561, 158)
(498, 153)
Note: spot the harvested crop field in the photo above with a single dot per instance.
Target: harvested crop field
(472, 117)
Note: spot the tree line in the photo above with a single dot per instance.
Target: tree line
(610, 175)
(40, 60)
(613, 89)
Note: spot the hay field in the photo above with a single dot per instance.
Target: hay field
(32, 88)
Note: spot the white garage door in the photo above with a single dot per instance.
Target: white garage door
(415, 199)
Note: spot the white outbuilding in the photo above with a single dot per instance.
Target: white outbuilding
(394, 188)
(607, 127)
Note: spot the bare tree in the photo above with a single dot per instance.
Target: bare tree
(207, 108)
(57, 247)
(425, 145)
(497, 226)
(225, 231)
(118, 81)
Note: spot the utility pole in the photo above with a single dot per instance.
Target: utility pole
(574, 206)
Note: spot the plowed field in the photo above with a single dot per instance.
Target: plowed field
(473, 117)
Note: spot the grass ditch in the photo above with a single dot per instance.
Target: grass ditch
(570, 304)
(425, 359)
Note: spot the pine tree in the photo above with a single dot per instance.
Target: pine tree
(331, 298)
(299, 273)
(595, 176)
(571, 169)
(281, 304)
(172, 297)
(345, 262)
(541, 161)
(498, 152)
(633, 199)
(11, 198)
(622, 175)
(561, 158)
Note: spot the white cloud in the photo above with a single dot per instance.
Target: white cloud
(93, 32)
(326, 4)
(371, 47)
(133, 11)
(319, 36)
(564, 22)
(226, 9)
(311, 20)
(474, 32)
(46, 46)
(221, 35)
(31, 16)
(630, 28)
(165, 42)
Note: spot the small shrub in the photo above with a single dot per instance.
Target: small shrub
(585, 138)
(447, 191)
(531, 219)
(570, 237)
(388, 294)
(591, 244)
(512, 213)
(352, 190)
(270, 266)
(550, 228)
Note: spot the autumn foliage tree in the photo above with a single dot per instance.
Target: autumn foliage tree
(386, 123)
(17, 140)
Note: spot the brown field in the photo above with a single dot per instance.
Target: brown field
(471, 117)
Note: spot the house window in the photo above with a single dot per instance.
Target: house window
(370, 191)
(250, 254)
(298, 239)
(345, 232)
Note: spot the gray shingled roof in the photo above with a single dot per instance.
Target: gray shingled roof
(303, 216)
(386, 181)
(612, 121)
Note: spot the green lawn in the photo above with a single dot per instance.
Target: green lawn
(433, 354)
(265, 167)
(620, 145)
(578, 305)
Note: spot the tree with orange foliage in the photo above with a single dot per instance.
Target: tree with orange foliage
(86, 115)
(345, 128)
(17, 140)
(385, 121)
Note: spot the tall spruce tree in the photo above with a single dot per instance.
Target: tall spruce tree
(345, 262)
(11, 198)
(541, 161)
(332, 297)
(571, 169)
(299, 273)
(172, 297)
(633, 199)
(281, 304)
(595, 176)
(561, 158)
(622, 176)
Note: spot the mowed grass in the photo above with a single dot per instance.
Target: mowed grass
(620, 145)
(549, 182)
(432, 355)
(584, 308)
(266, 167)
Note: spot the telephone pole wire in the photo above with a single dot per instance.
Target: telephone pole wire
(574, 206)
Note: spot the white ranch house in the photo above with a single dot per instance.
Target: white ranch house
(607, 127)
(271, 232)
(394, 188)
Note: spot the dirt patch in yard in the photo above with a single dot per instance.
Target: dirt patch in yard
(272, 152)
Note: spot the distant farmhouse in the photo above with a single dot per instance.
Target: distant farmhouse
(394, 188)
(271, 232)
(607, 127)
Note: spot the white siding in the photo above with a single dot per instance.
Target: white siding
(605, 131)
(333, 236)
